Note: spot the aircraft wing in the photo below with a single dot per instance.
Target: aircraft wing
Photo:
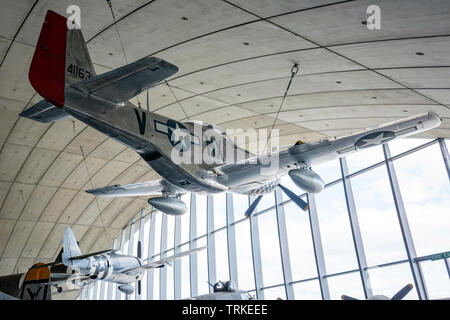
(122, 84)
(135, 189)
(314, 153)
(162, 262)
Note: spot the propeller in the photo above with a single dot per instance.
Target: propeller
(139, 250)
(139, 255)
(252, 207)
(398, 296)
(297, 200)
(403, 292)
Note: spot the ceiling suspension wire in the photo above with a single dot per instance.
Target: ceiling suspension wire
(294, 71)
(96, 200)
(178, 101)
(120, 40)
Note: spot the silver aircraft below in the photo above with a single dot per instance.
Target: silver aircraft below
(107, 265)
(224, 291)
(61, 71)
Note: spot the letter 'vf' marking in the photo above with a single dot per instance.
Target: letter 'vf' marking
(141, 121)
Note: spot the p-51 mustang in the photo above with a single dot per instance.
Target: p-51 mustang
(62, 72)
(107, 265)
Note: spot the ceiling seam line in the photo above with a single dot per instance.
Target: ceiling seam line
(339, 54)
(301, 94)
(17, 32)
(37, 184)
(111, 201)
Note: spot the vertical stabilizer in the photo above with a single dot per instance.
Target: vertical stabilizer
(70, 247)
(60, 59)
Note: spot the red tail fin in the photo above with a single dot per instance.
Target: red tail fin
(47, 70)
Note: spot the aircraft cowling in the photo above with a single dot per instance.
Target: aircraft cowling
(168, 205)
(307, 179)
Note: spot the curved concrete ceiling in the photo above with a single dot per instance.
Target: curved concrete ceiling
(235, 58)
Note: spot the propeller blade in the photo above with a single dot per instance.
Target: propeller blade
(403, 292)
(252, 207)
(344, 297)
(139, 287)
(297, 200)
(139, 250)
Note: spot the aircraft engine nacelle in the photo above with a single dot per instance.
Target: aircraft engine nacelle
(168, 205)
(126, 288)
(307, 179)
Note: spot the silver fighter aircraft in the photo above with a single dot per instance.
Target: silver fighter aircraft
(107, 265)
(62, 72)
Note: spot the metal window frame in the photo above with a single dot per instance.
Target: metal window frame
(150, 254)
(163, 254)
(138, 296)
(256, 253)
(284, 245)
(210, 240)
(445, 155)
(318, 248)
(177, 263)
(356, 231)
(193, 260)
(416, 269)
(231, 239)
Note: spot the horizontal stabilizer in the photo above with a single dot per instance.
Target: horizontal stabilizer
(122, 84)
(44, 111)
(89, 255)
(135, 189)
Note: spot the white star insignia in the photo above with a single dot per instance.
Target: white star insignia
(373, 141)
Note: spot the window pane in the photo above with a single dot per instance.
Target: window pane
(437, 279)
(349, 284)
(220, 210)
(246, 280)
(240, 204)
(364, 158)
(275, 293)
(301, 250)
(185, 274)
(220, 239)
(329, 171)
(156, 278)
(267, 201)
(272, 271)
(308, 290)
(145, 244)
(170, 231)
(157, 220)
(201, 214)
(185, 219)
(335, 230)
(169, 279)
(401, 145)
(202, 266)
(389, 280)
(377, 216)
(425, 190)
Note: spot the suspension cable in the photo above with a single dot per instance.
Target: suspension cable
(294, 71)
(120, 40)
(95, 199)
(178, 101)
